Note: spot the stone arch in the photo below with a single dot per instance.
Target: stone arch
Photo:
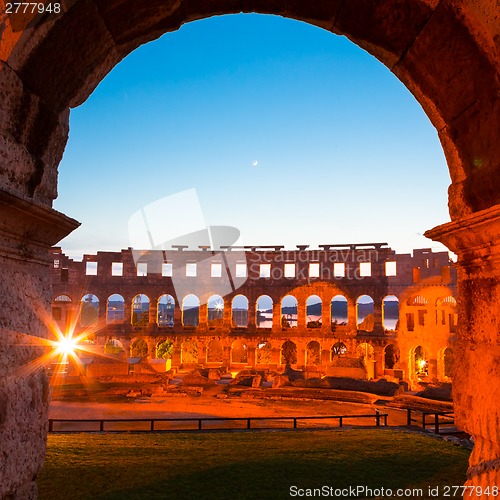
(239, 311)
(115, 309)
(418, 363)
(390, 312)
(190, 310)
(264, 312)
(313, 353)
(46, 72)
(289, 308)
(288, 353)
(239, 352)
(89, 310)
(189, 352)
(338, 349)
(264, 353)
(365, 308)
(391, 356)
(446, 361)
(215, 351)
(140, 310)
(139, 348)
(339, 310)
(166, 309)
(215, 309)
(314, 311)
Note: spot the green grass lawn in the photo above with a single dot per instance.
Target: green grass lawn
(243, 465)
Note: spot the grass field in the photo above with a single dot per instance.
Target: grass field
(243, 465)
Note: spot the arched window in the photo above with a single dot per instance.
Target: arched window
(448, 361)
(390, 312)
(313, 353)
(190, 310)
(264, 312)
(339, 349)
(138, 348)
(391, 356)
(239, 309)
(417, 300)
(365, 318)
(289, 312)
(263, 353)
(62, 298)
(314, 307)
(140, 310)
(420, 362)
(166, 308)
(215, 306)
(189, 352)
(288, 353)
(89, 313)
(214, 351)
(239, 352)
(338, 309)
(115, 309)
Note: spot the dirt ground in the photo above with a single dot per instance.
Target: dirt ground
(209, 405)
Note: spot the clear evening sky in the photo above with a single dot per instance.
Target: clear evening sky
(287, 132)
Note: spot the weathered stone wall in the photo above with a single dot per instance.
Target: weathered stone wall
(26, 232)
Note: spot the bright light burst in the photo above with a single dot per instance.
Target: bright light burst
(65, 349)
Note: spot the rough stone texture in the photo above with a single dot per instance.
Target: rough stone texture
(26, 231)
(476, 390)
(449, 61)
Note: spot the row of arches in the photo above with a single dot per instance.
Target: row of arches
(315, 354)
(263, 315)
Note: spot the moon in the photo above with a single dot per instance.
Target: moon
(255, 163)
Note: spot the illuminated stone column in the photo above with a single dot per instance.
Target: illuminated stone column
(251, 314)
(27, 231)
(351, 315)
(276, 316)
(153, 311)
(476, 381)
(227, 320)
(301, 315)
(203, 316)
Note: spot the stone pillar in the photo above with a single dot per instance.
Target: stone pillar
(351, 315)
(476, 381)
(127, 310)
(251, 356)
(27, 231)
(227, 320)
(301, 315)
(251, 314)
(378, 328)
(153, 311)
(276, 316)
(203, 316)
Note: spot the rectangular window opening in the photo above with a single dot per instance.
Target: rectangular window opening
(241, 270)
(314, 270)
(117, 269)
(191, 269)
(339, 270)
(91, 268)
(216, 271)
(390, 268)
(290, 270)
(365, 269)
(142, 269)
(166, 269)
(265, 271)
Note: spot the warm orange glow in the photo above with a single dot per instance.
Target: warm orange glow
(66, 346)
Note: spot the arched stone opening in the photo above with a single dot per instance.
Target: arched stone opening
(89, 310)
(445, 53)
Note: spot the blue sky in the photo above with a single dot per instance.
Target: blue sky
(287, 132)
